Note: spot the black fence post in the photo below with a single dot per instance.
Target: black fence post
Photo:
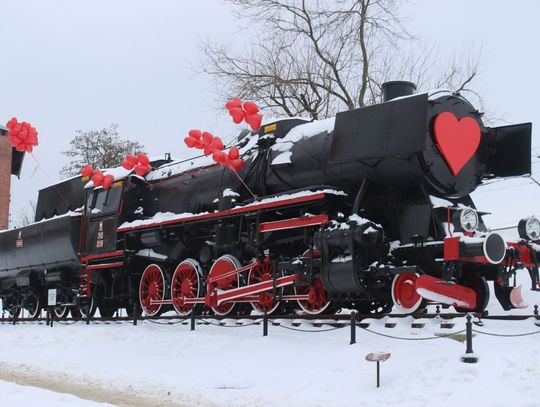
(378, 374)
(48, 317)
(192, 320)
(265, 324)
(15, 318)
(469, 356)
(536, 310)
(51, 319)
(353, 327)
(135, 314)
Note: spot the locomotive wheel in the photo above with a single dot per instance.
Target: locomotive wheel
(223, 265)
(481, 288)
(32, 305)
(151, 287)
(318, 300)
(88, 307)
(61, 311)
(186, 283)
(406, 299)
(263, 272)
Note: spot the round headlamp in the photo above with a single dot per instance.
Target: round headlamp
(529, 228)
(468, 220)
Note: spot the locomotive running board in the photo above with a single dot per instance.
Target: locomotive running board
(247, 298)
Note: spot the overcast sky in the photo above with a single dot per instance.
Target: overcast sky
(69, 65)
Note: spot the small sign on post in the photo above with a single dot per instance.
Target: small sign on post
(378, 357)
(51, 298)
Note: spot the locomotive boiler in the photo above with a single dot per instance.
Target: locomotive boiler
(367, 210)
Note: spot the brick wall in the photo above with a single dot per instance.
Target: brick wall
(5, 180)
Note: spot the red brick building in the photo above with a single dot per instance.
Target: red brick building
(10, 164)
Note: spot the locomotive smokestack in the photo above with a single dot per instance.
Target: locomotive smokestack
(5, 177)
(395, 89)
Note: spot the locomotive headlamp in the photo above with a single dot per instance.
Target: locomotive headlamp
(468, 219)
(529, 228)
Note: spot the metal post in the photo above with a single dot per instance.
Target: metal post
(536, 310)
(135, 313)
(353, 328)
(192, 320)
(52, 319)
(469, 356)
(378, 374)
(48, 317)
(265, 324)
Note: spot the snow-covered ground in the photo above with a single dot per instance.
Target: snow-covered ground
(236, 366)
(16, 395)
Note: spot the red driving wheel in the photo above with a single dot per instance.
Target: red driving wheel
(222, 266)
(186, 283)
(263, 272)
(151, 287)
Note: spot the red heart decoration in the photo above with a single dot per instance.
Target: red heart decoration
(97, 178)
(254, 121)
(236, 102)
(107, 181)
(251, 108)
(237, 114)
(457, 140)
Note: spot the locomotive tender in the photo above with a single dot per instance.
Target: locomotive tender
(367, 210)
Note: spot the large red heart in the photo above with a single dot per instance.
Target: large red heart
(457, 140)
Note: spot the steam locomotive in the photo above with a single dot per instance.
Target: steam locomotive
(368, 210)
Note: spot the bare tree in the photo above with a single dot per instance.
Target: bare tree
(317, 57)
(25, 215)
(99, 148)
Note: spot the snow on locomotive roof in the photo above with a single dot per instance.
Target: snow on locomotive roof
(76, 213)
(161, 217)
(303, 131)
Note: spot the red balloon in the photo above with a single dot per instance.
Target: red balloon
(237, 165)
(107, 181)
(190, 141)
(235, 102)
(12, 123)
(209, 149)
(217, 143)
(234, 153)
(143, 159)
(220, 157)
(254, 121)
(87, 171)
(251, 108)
(97, 179)
(22, 136)
(142, 170)
(207, 137)
(237, 114)
(196, 134)
(199, 144)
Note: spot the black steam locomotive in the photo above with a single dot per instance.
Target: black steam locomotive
(367, 210)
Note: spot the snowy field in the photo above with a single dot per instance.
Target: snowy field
(168, 365)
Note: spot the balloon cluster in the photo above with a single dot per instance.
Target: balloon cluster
(97, 177)
(141, 163)
(213, 145)
(247, 111)
(22, 135)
